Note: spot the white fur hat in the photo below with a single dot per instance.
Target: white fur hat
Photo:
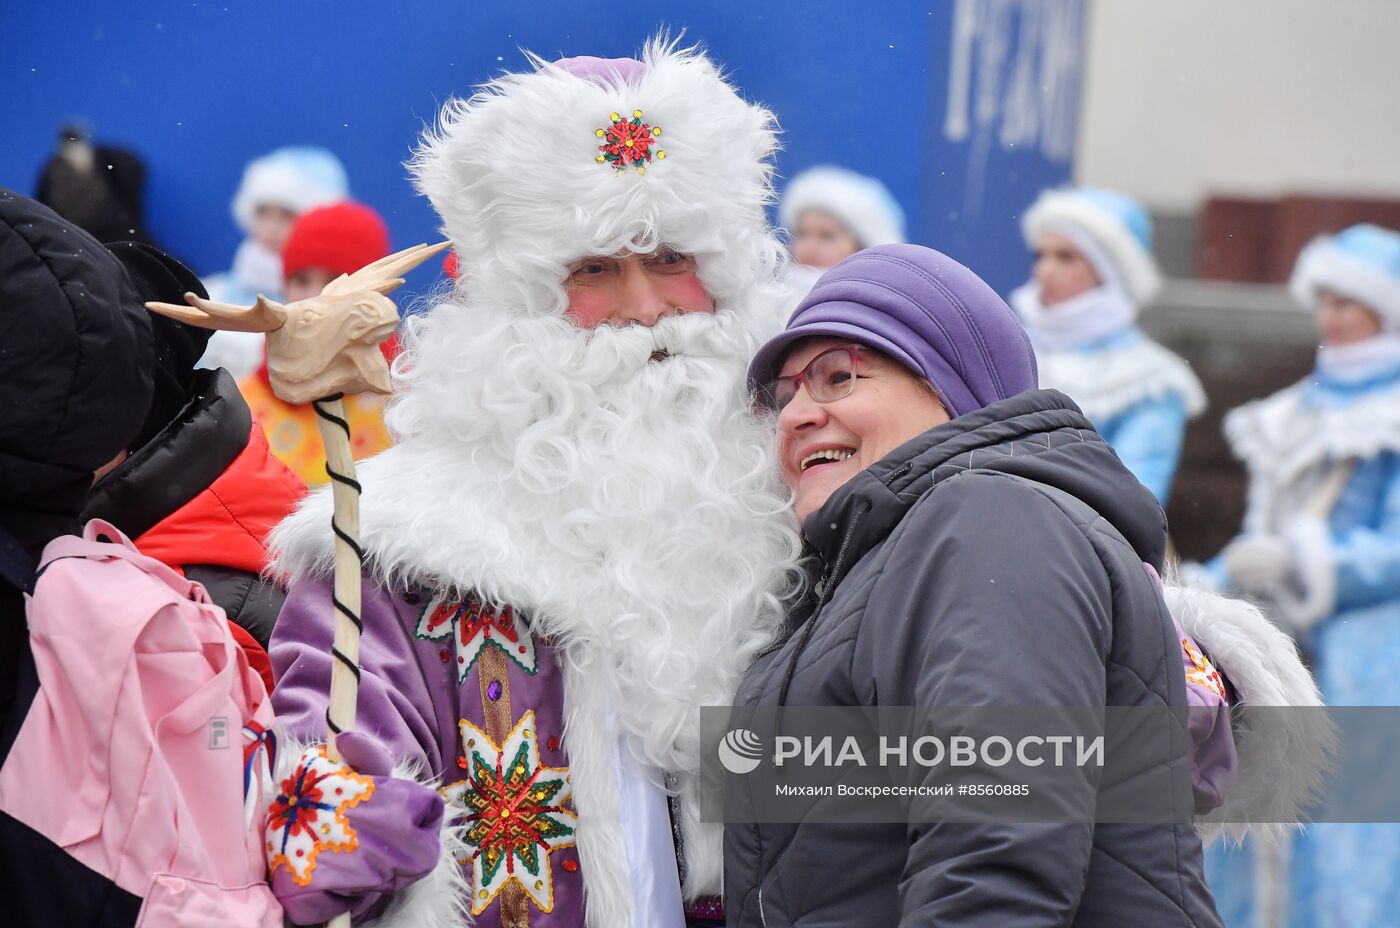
(1362, 262)
(296, 178)
(862, 203)
(531, 174)
(1117, 224)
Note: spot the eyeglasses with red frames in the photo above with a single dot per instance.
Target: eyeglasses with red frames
(829, 377)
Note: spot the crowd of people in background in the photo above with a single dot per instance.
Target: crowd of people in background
(178, 451)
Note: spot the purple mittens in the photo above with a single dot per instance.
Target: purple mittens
(343, 836)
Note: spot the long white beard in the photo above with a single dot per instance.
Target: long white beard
(630, 507)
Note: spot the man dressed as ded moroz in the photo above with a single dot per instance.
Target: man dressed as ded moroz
(579, 538)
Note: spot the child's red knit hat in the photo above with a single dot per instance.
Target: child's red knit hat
(342, 239)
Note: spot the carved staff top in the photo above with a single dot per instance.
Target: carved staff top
(325, 344)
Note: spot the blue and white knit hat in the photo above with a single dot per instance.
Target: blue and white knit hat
(1362, 263)
(296, 178)
(1116, 225)
(863, 204)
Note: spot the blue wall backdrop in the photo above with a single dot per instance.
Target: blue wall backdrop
(965, 108)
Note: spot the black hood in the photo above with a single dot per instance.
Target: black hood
(157, 277)
(75, 368)
(180, 462)
(1039, 435)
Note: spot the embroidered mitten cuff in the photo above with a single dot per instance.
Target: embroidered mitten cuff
(343, 836)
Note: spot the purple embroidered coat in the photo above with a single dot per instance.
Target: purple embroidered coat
(466, 690)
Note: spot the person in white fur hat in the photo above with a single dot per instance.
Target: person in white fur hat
(1321, 544)
(831, 213)
(276, 189)
(1092, 272)
(579, 538)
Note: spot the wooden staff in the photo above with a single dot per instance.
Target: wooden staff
(319, 349)
(349, 561)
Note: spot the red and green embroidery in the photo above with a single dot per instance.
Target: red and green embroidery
(628, 143)
(475, 625)
(518, 813)
(309, 814)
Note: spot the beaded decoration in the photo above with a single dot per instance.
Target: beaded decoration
(519, 812)
(474, 625)
(308, 815)
(628, 143)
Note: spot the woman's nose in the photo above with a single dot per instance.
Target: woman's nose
(801, 413)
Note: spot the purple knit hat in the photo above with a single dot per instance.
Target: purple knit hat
(926, 311)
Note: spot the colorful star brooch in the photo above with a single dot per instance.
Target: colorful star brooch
(518, 812)
(628, 143)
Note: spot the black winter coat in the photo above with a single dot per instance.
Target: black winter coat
(75, 384)
(994, 560)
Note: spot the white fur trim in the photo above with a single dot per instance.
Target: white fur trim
(687, 583)
(275, 182)
(1282, 437)
(1282, 756)
(862, 203)
(1133, 263)
(590, 738)
(440, 900)
(1322, 265)
(1112, 380)
(512, 171)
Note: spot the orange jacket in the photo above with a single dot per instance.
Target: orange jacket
(293, 435)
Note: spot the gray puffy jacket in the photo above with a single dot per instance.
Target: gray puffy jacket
(994, 560)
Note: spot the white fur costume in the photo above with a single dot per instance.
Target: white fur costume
(629, 506)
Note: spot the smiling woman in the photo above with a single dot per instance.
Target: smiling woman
(958, 514)
(828, 430)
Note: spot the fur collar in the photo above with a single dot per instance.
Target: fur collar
(1113, 379)
(1291, 432)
